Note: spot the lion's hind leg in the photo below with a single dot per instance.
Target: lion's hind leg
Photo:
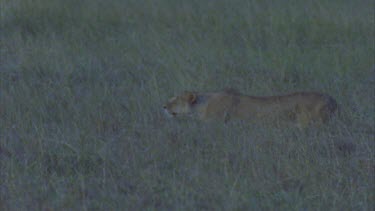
(303, 120)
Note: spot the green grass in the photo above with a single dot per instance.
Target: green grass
(82, 84)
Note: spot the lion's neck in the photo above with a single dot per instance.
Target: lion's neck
(198, 109)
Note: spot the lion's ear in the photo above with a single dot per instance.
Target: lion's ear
(192, 97)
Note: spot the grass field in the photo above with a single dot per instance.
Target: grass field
(82, 85)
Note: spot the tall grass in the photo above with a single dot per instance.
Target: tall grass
(82, 84)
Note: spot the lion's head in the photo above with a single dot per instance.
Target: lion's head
(180, 105)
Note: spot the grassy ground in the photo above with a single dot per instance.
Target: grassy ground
(82, 84)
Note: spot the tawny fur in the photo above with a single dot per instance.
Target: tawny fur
(302, 108)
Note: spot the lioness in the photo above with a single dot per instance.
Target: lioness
(302, 108)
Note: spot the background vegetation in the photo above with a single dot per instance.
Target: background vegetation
(82, 84)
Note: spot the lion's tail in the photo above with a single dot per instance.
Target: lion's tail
(329, 109)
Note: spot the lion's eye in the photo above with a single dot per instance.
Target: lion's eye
(174, 113)
(165, 107)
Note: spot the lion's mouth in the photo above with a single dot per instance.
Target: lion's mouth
(169, 114)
